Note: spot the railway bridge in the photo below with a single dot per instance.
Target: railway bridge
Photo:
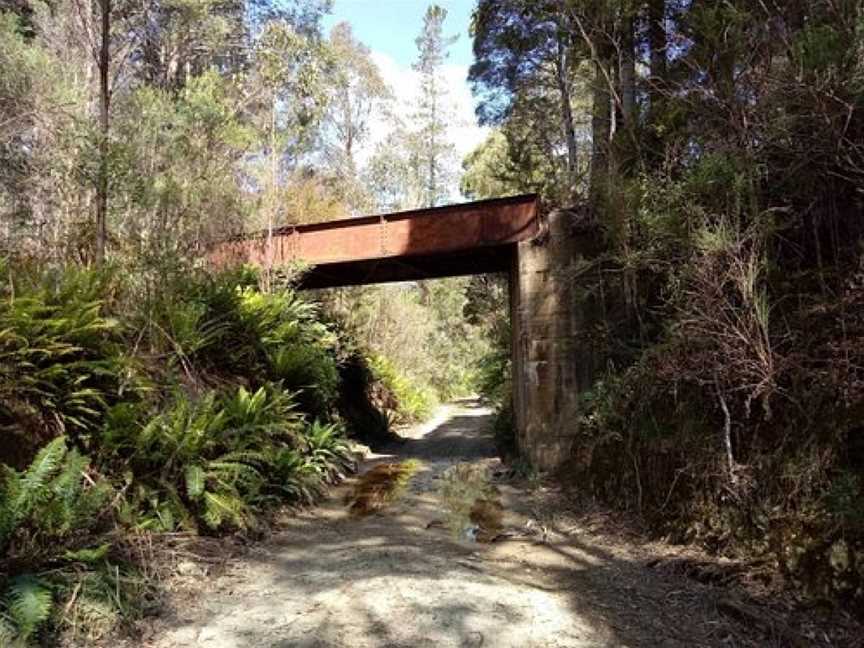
(542, 255)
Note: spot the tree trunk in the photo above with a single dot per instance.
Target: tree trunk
(628, 76)
(104, 126)
(567, 115)
(433, 124)
(601, 125)
(272, 207)
(657, 42)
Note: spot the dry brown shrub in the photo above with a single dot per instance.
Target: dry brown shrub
(379, 486)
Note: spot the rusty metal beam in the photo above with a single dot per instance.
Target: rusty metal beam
(467, 238)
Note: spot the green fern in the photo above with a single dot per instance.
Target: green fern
(34, 481)
(7, 631)
(195, 481)
(23, 493)
(44, 511)
(59, 357)
(30, 604)
(219, 507)
(91, 555)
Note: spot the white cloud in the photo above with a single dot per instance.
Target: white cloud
(405, 84)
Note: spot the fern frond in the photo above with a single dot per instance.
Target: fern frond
(195, 481)
(179, 511)
(7, 631)
(30, 603)
(219, 507)
(34, 481)
(90, 556)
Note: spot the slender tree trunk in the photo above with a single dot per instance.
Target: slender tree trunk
(104, 127)
(623, 159)
(657, 42)
(433, 123)
(567, 115)
(628, 76)
(271, 208)
(601, 128)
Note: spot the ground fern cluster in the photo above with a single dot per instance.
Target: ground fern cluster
(123, 411)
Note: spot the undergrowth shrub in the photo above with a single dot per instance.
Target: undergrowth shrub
(504, 430)
(493, 368)
(201, 403)
(493, 383)
(55, 569)
(414, 402)
(220, 327)
(215, 461)
(60, 357)
(731, 419)
(363, 400)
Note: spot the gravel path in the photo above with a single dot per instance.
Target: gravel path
(393, 580)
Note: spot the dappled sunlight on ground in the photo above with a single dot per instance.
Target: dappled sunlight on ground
(399, 577)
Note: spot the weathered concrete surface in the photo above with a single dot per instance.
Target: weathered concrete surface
(552, 364)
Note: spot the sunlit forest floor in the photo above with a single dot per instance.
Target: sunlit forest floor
(400, 577)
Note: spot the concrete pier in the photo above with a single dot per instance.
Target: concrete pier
(552, 364)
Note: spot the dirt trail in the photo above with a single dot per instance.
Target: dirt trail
(388, 580)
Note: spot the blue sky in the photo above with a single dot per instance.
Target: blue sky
(390, 26)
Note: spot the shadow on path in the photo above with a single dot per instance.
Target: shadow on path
(397, 579)
(462, 433)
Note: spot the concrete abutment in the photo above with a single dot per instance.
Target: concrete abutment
(553, 360)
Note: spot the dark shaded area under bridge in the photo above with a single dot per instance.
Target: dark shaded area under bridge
(469, 238)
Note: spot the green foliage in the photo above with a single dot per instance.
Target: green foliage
(49, 515)
(504, 429)
(820, 47)
(273, 337)
(844, 500)
(424, 332)
(413, 401)
(493, 370)
(60, 362)
(50, 500)
(29, 603)
(208, 455)
(311, 369)
(217, 460)
(326, 449)
(297, 348)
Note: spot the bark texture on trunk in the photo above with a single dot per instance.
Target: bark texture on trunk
(104, 127)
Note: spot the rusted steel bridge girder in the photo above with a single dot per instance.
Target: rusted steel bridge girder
(469, 238)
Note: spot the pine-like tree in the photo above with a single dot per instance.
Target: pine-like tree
(435, 153)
